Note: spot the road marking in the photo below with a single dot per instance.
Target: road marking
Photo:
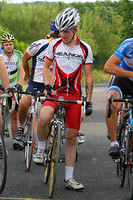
(6, 198)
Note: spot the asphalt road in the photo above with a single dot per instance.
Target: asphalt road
(94, 168)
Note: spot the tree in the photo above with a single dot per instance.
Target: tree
(126, 10)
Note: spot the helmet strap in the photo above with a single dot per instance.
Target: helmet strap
(72, 37)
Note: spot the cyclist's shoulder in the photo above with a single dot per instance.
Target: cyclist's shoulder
(36, 45)
(56, 41)
(126, 43)
(17, 52)
(84, 44)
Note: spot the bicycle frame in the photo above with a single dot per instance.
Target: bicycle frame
(125, 142)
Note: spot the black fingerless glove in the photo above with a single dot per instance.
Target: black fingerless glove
(18, 87)
(88, 108)
(48, 89)
(7, 90)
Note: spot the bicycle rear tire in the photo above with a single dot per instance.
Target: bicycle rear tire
(3, 163)
(121, 168)
(130, 162)
(54, 164)
(29, 143)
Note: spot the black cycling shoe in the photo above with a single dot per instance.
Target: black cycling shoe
(114, 152)
(17, 146)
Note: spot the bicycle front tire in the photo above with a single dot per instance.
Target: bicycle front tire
(48, 154)
(29, 143)
(56, 149)
(3, 163)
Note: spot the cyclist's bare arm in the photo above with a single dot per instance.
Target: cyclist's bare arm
(26, 66)
(3, 74)
(52, 76)
(112, 68)
(46, 71)
(89, 82)
(21, 74)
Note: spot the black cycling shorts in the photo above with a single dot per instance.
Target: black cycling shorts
(123, 85)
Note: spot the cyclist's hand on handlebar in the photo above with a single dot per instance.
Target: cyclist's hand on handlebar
(48, 90)
(88, 108)
(18, 87)
(8, 91)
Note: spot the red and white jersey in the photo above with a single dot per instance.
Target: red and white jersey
(69, 65)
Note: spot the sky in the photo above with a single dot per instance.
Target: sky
(66, 1)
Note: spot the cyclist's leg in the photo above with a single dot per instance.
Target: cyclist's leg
(71, 135)
(24, 108)
(14, 122)
(22, 115)
(14, 126)
(72, 130)
(112, 121)
(46, 114)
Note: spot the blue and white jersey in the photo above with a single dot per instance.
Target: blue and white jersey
(125, 53)
(38, 51)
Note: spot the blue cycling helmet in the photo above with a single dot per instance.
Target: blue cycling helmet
(53, 27)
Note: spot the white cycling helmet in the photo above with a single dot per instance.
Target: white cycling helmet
(67, 19)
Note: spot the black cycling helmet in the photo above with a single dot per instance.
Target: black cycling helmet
(7, 38)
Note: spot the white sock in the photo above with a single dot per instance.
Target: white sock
(41, 144)
(68, 172)
(21, 125)
(114, 143)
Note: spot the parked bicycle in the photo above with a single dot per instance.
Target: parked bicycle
(125, 139)
(54, 148)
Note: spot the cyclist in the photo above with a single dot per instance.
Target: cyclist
(37, 51)
(13, 63)
(3, 77)
(122, 84)
(70, 55)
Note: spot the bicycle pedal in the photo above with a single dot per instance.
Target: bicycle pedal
(62, 160)
(116, 160)
(7, 134)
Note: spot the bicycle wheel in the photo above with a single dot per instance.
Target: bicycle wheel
(48, 155)
(130, 162)
(55, 157)
(3, 163)
(121, 167)
(29, 140)
(4, 118)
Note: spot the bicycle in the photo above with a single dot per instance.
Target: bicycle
(29, 133)
(4, 133)
(54, 148)
(125, 139)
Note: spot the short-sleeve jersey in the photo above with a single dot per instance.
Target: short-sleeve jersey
(38, 52)
(69, 65)
(12, 66)
(125, 53)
